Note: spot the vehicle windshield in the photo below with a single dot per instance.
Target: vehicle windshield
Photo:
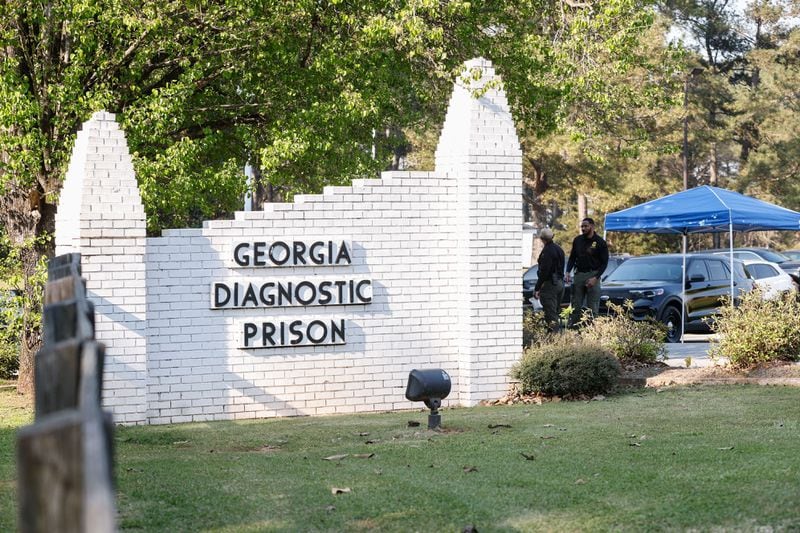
(649, 269)
(774, 257)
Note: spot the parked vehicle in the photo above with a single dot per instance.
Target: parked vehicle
(653, 284)
(790, 266)
(769, 277)
(794, 255)
(532, 274)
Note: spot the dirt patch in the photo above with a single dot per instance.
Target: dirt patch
(662, 375)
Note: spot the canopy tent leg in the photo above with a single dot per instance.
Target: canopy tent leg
(730, 247)
(684, 310)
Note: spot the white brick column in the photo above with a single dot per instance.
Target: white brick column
(480, 149)
(100, 215)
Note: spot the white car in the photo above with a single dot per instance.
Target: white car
(770, 278)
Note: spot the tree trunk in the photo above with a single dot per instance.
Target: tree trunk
(713, 165)
(581, 207)
(263, 192)
(534, 184)
(713, 181)
(259, 190)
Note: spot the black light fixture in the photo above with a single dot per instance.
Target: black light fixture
(430, 386)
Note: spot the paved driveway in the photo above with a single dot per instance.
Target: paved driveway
(694, 346)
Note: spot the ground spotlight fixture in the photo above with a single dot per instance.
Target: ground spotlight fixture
(430, 386)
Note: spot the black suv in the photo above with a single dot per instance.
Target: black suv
(653, 284)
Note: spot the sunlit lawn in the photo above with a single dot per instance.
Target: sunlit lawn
(721, 458)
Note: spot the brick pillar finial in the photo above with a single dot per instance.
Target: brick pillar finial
(100, 215)
(479, 148)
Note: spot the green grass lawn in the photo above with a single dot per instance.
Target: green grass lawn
(705, 458)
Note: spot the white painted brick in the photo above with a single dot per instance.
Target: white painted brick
(412, 233)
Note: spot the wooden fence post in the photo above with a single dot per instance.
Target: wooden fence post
(65, 458)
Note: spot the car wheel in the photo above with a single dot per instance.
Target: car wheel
(672, 319)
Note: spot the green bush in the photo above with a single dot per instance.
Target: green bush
(758, 331)
(626, 338)
(567, 366)
(19, 309)
(534, 328)
(10, 331)
(9, 361)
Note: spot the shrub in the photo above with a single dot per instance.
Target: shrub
(534, 328)
(758, 331)
(20, 309)
(626, 338)
(10, 329)
(9, 361)
(567, 366)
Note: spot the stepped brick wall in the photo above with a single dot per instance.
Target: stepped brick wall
(318, 306)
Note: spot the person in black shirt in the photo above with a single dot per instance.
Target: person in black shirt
(589, 258)
(549, 289)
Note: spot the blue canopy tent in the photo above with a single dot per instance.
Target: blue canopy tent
(703, 209)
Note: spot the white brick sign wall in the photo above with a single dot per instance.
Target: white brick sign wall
(320, 306)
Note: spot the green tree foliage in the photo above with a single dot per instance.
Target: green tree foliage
(16, 314)
(729, 81)
(770, 119)
(615, 157)
(741, 119)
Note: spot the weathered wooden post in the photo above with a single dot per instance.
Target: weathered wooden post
(64, 458)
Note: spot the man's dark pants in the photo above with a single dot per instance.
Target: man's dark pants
(581, 292)
(550, 296)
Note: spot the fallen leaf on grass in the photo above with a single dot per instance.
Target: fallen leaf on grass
(180, 442)
(337, 490)
(634, 444)
(528, 457)
(726, 448)
(468, 469)
(493, 426)
(580, 482)
(548, 426)
(364, 434)
(372, 441)
(336, 457)
(363, 455)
